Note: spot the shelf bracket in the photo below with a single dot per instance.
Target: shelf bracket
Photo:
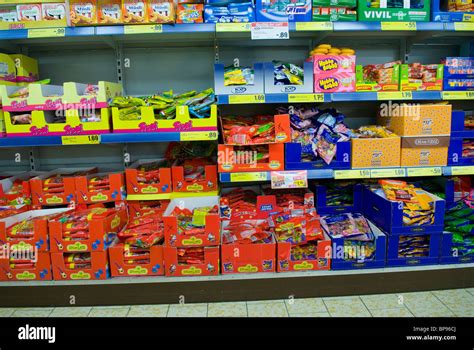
(119, 64)
(32, 159)
(216, 49)
(404, 50)
(126, 155)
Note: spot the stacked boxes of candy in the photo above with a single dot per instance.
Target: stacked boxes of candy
(458, 74)
(235, 79)
(334, 68)
(394, 10)
(245, 203)
(149, 177)
(89, 232)
(25, 248)
(334, 10)
(229, 12)
(10, 210)
(284, 77)
(452, 10)
(192, 236)
(420, 77)
(139, 208)
(23, 16)
(461, 145)
(338, 197)
(15, 190)
(356, 242)
(290, 199)
(319, 139)
(283, 11)
(378, 77)
(100, 188)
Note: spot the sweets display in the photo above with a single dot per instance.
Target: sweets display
(229, 12)
(459, 220)
(334, 10)
(236, 75)
(394, 10)
(414, 246)
(189, 13)
(283, 11)
(419, 77)
(247, 232)
(378, 77)
(287, 73)
(458, 74)
(239, 130)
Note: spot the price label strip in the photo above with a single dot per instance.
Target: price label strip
(383, 173)
(232, 27)
(314, 26)
(246, 177)
(299, 98)
(80, 140)
(46, 33)
(240, 99)
(462, 170)
(143, 29)
(464, 26)
(458, 95)
(289, 179)
(394, 95)
(352, 174)
(427, 171)
(270, 30)
(398, 26)
(198, 135)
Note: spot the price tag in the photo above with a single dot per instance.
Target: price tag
(246, 177)
(80, 140)
(148, 197)
(426, 171)
(352, 174)
(458, 95)
(462, 170)
(381, 173)
(398, 25)
(299, 98)
(463, 26)
(289, 179)
(468, 17)
(143, 29)
(394, 95)
(314, 26)
(46, 33)
(270, 30)
(198, 135)
(233, 27)
(239, 99)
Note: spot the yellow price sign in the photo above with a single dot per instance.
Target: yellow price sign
(462, 170)
(148, 197)
(299, 98)
(241, 99)
(426, 171)
(143, 29)
(352, 174)
(46, 33)
(382, 173)
(246, 177)
(458, 95)
(80, 140)
(198, 135)
(394, 95)
(468, 17)
(233, 27)
(398, 25)
(463, 26)
(314, 26)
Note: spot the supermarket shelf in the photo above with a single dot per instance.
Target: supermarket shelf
(47, 32)
(30, 141)
(156, 290)
(140, 137)
(156, 29)
(172, 195)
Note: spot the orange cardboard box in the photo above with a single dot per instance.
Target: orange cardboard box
(210, 267)
(114, 193)
(161, 11)
(424, 151)
(244, 158)
(101, 234)
(134, 187)
(180, 184)
(41, 269)
(99, 268)
(83, 12)
(417, 119)
(134, 11)
(9, 197)
(119, 266)
(110, 12)
(210, 236)
(7, 211)
(140, 208)
(375, 152)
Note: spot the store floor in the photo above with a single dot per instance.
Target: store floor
(441, 303)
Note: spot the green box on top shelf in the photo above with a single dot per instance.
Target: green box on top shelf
(394, 10)
(334, 10)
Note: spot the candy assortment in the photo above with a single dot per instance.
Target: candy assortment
(460, 221)
(10, 211)
(247, 232)
(235, 75)
(460, 6)
(240, 130)
(340, 193)
(192, 222)
(287, 73)
(191, 256)
(414, 246)
(77, 261)
(468, 148)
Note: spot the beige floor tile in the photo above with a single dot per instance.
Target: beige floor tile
(188, 310)
(420, 300)
(353, 312)
(71, 311)
(438, 311)
(470, 290)
(267, 309)
(305, 306)
(311, 314)
(148, 311)
(32, 312)
(348, 303)
(264, 301)
(6, 311)
(454, 296)
(395, 312)
(109, 311)
(382, 301)
(462, 310)
(231, 309)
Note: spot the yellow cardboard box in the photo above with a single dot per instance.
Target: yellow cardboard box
(26, 68)
(416, 119)
(424, 151)
(376, 152)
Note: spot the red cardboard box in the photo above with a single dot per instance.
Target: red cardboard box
(134, 187)
(113, 193)
(263, 207)
(139, 208)
(101, 234)
(40, 271)
(99, 268)
(244, 158)
(210, 267)
(119, 266)
(10, 210)
(207, 184)
(211, 235)
(20, 197)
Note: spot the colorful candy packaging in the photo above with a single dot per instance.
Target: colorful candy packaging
(193, 222)
(238, 76)
(247, 232)
(414, 246)
(248, 130)
(287, 74)
(459, 220)
(191, 256)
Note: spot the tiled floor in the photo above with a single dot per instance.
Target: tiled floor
(451, 303)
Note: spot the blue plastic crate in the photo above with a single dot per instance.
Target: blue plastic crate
(378, 261)
(388, 215)
(342, 159)
(455, 153)
(444, 16)
(394, 260)
(448, 256)
(221, 89)
(457, 125)
(324, 209)
(271, 88)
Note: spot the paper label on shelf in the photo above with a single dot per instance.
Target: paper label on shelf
(46, 33)
(462, 170)
(148, 197)
(352, 174)
(381, 173)
(394, 95)
(298, 98)
(245, 177)
(233, 27)
(239, 99)
(314, 26)
(289, 179)
(198, 135)
(426, 171)
(468, 17)
(398, 25)
(143, 29)
(270, 30)
(464, 26)
(458, 95)
(81, 140)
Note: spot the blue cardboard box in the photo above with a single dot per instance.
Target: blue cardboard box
(293, 158)
(271, 88)
(232, 12)
(457, 124)
(324, 209)
(438, 15)
(393, 259)
(221, 89)
(284, 10)
(388, 215)
(455, 156)
(449, 254)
